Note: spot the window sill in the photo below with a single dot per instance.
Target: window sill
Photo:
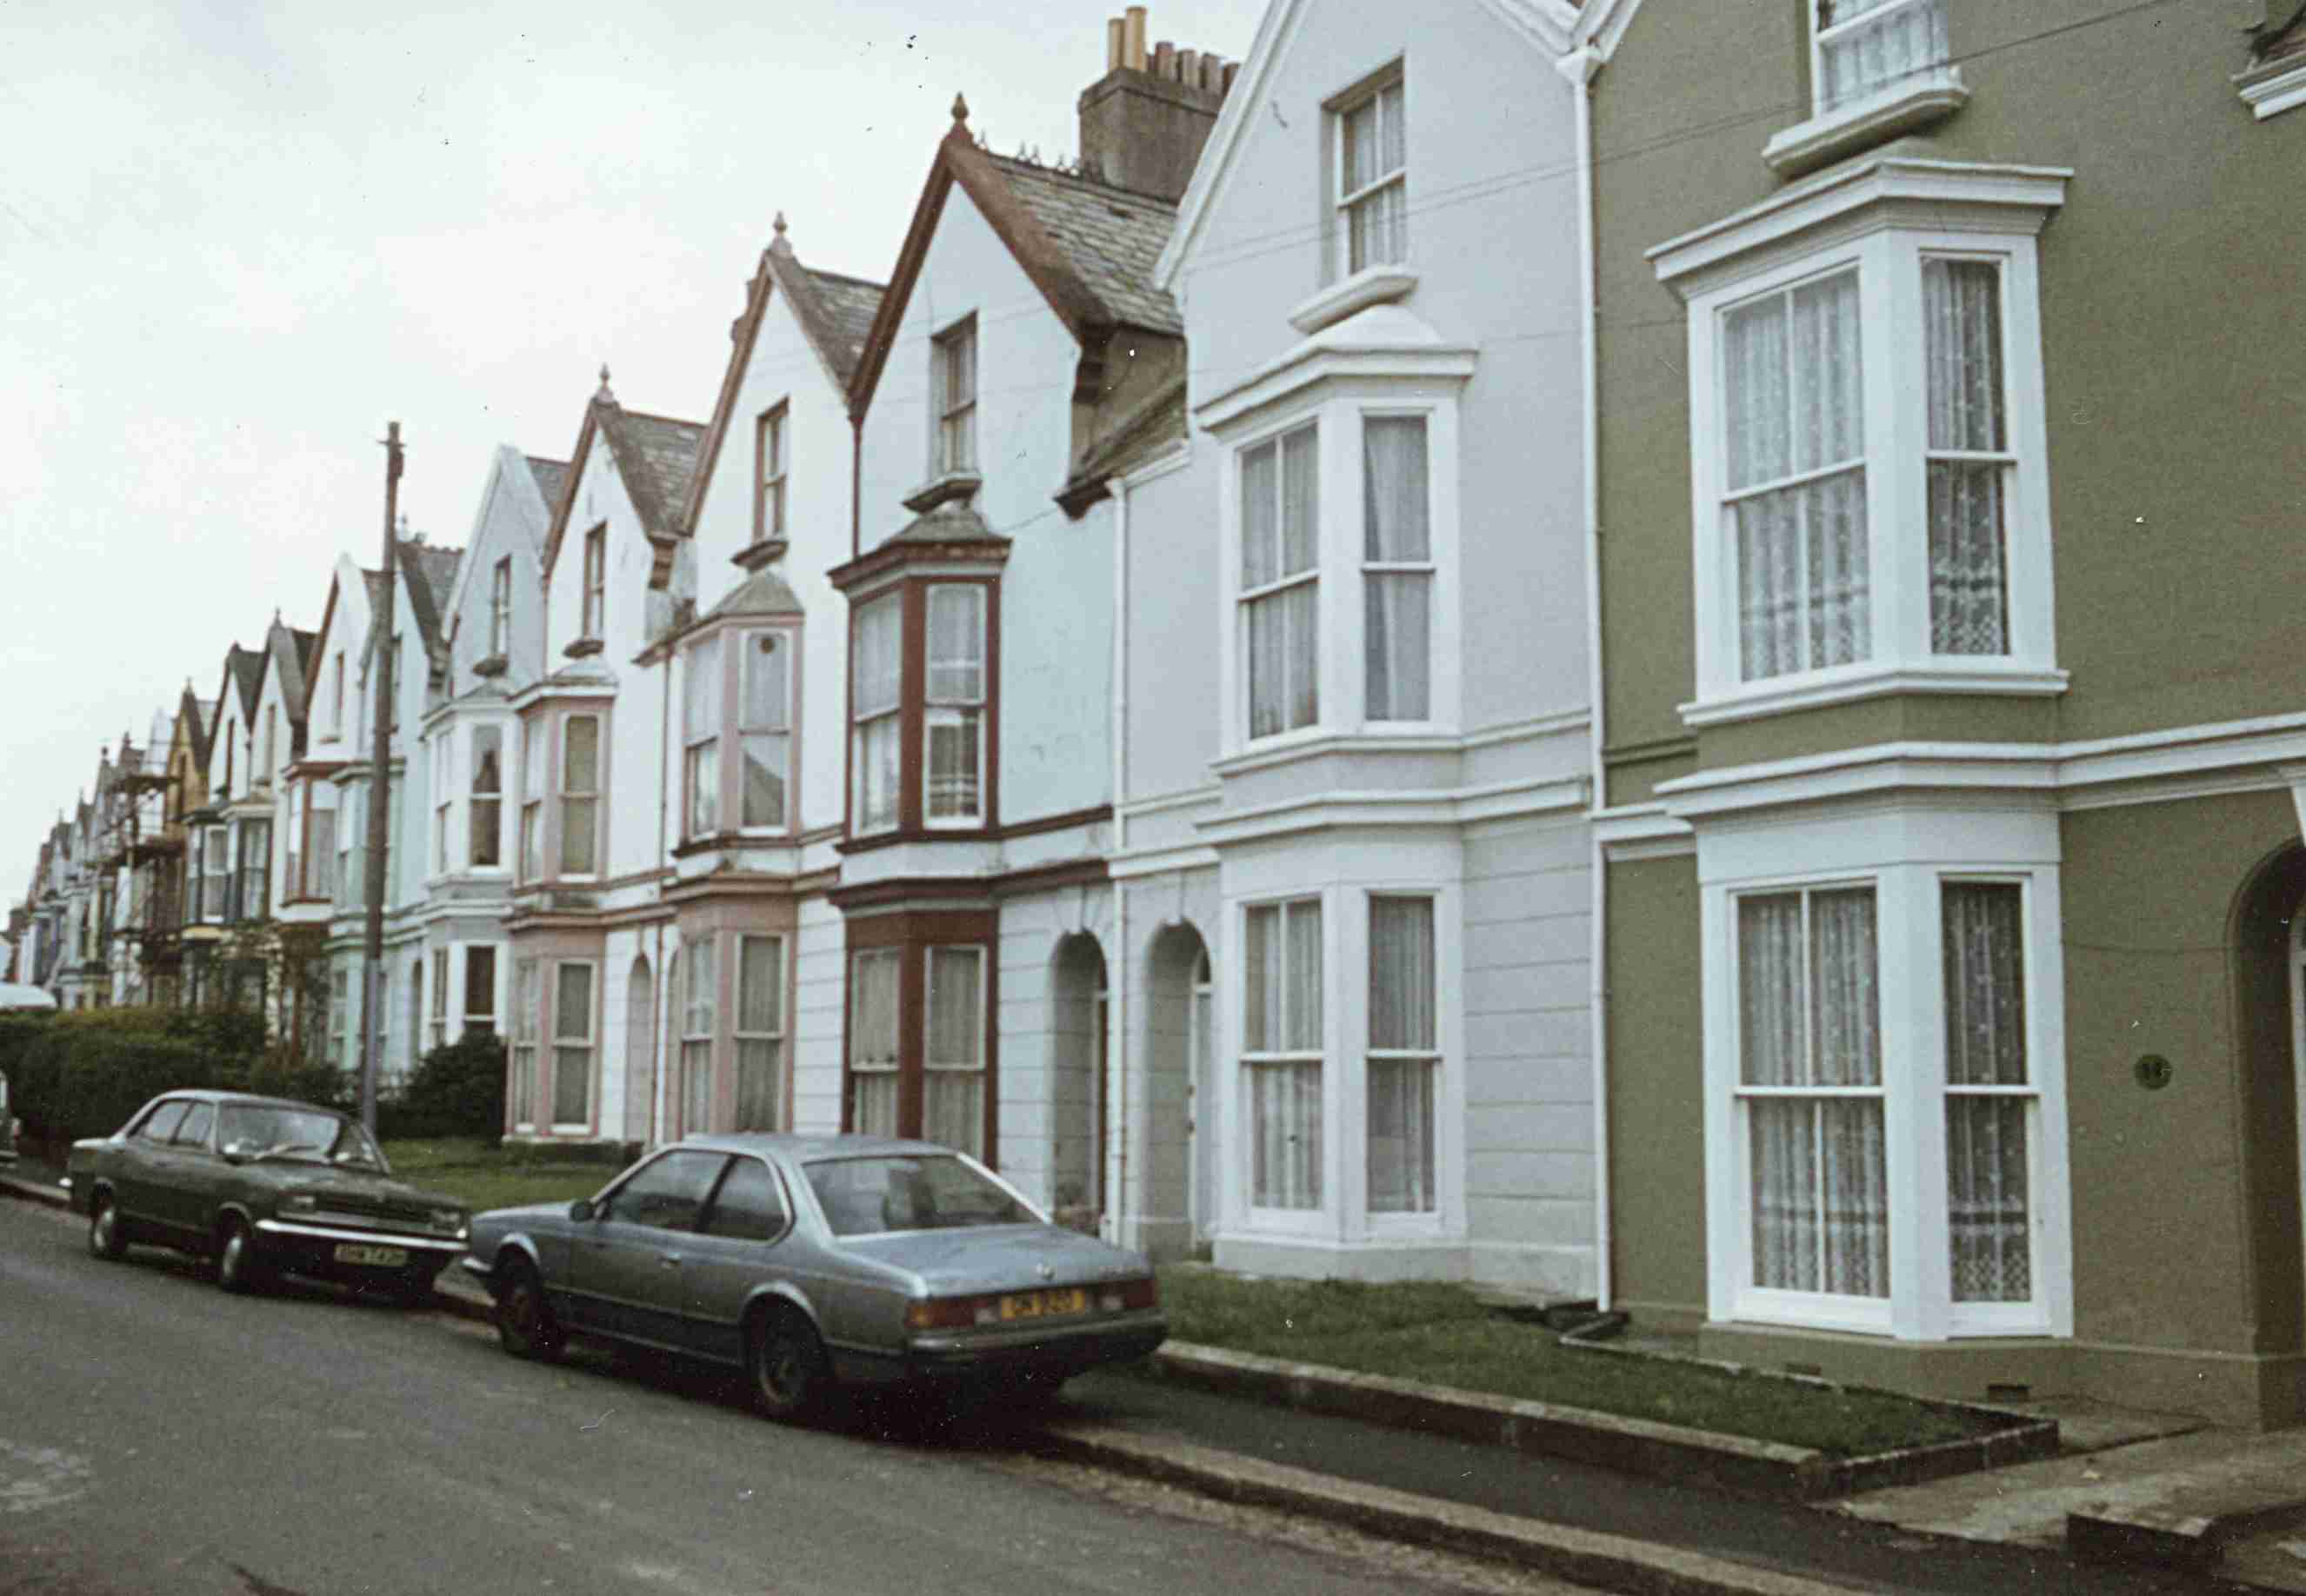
(2273, 87)
(942, 489)
(584, 648)
(761, 553)
(1919, 102)
(1371, 286)
(1848, 684)
(494, 665)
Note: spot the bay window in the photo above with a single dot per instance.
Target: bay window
(436, 1027)
(952, 1089)
(532, 802)
(1280, 581)
(1281, 1052)
(700, 734)
(1404, 1062)
(1397, 570)
(1372, 197)
(216, 876)
(700, 994)
(1990, 1099)
(580, 795)
(339, 1018)
(1870, 503)
(443, 800)
(953, 719)
(251, 895)
(765, 729)
(485, 819)
(760, 1033)
(873, 1049)
(321, 854)
(877, 678)
(573, 1045)
(527, 996)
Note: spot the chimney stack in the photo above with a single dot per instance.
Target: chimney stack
(1143, 124)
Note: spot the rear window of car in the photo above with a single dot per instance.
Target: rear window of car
(915, 1191)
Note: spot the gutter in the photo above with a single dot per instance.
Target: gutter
(1578, 69)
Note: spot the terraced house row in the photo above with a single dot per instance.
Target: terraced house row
(1630, 652)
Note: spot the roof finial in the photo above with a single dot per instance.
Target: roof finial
(604, 396)
(781, 244)
(959, 109)
(780, 224)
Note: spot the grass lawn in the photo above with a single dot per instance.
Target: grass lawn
(1440, 1334)
(484, 1177)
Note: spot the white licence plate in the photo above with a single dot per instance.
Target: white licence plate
(383, 1258)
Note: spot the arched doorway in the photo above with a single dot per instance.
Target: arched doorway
(2269, 950)
(1180, 1180)
(1077, 1062)
(640, 1049)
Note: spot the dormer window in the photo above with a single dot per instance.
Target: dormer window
(1373, 177)
(954, 384)
(596, 578)
(1864, 47)
(769, 455)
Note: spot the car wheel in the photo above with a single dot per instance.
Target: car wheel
(107, 1232)
(791, 1377)
(238, 1269)
(526, 1326)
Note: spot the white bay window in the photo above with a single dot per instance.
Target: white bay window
(1372, 142)
(1397, 570)
(764, 729)
(1868, 447)
(1404, 1061)
(1281, 1053)
(1280, 581)
(487, 797)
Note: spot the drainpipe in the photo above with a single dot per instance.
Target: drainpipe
(657, 979)
(1117, 1066)
(1578, 69)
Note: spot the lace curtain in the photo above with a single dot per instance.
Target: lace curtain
(698, 1002)
(1404, 1063)
(760, 1017)
(572, 1066)
(1962, 302)
(1795, 420)
(1810, 1016)
(1376, 145)
(952, 1102)
(1280, 504)
(1282, 995)
(873, 1044)
(1396, 650)
(1986, 1197)
(1865, 45)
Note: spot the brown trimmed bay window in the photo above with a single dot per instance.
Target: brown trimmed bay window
(736, 720)
(924, 707)
(921, 1043)
(876, 687)
(580, 795)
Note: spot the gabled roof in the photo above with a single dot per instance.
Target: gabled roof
(655, 455)
(244, 673)
(288, 655)
(835, 314)
(429, 573)
(1088, 246)
(1552, 26)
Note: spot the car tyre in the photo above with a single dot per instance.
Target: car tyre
(791, 1376)
(526, 1326)
(238, 1268)
(107, 1232)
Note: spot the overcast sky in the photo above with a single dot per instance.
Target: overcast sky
(235, 240)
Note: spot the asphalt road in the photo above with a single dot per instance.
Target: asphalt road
(156, 1435)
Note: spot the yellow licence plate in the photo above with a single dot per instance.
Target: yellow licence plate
(382, 1257)
(1045, 1304)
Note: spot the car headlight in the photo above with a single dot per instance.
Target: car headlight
(299, 1202)
(450, 1220)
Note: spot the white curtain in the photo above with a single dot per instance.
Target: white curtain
(1280, 510)
(1284, 989)
(873, 1044)
(699, 993)
(1902, 38)
(956, 643)
(572, 1066)
(1400, 1089)
(1795, 418)
(953, 1103)
(1987, 1195)
(760, 1026)
(879, 625)
(1376, 145)
(580, 774)
(701, 691)
(1810, 1016)
(1968, 586)
(1396, 650)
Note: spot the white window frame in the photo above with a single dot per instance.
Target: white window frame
(1807, 233)
(700, 1022)
(589, 1041)
(953, 441)
(535, 737)
(475, 798)
(770, 446)
(746, 642)
(566, 795)
(1322, 1217)
(1907, 858)
(595, 575)
(467, 1013)
(1822, 38)
(951, 713)
(528, 1024)
(1435, 1057)
(1391, 81)
(500, 608)
(444, 764)
(1429, 568)
(1236, 491)
(436, 1019)
(704, 697)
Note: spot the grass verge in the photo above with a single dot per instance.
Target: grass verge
(1439, 1333)
(482, 1177)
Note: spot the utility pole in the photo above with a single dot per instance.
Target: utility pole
(385, 671)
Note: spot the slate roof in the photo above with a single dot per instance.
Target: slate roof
(245, 667)
(1111, 236)
(764, 593)
(951, 521)
(2278, 41)
(849, 305)
(551, 479)
(1131, 441)
(655, 455)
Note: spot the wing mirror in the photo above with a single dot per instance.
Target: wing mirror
(581, 1209)
(238, 1152)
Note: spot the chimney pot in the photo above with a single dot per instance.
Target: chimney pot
(1213, 73)
(1232, 68)
(1164, 60)
(1116, 33)
(1133, 49)
(1188, 68)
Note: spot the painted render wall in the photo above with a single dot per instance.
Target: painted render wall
(511, 522)
(1057, 591)
(1174, 623)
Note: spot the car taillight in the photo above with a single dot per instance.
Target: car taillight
(951, 1314)
(1130, 1294)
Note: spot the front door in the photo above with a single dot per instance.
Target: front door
(625, 1265)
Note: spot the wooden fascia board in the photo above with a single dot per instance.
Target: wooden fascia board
(733, 381)
(914, 250)
(894, 556)
(577, 459)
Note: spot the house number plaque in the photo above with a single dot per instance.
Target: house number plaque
(2153, 1071)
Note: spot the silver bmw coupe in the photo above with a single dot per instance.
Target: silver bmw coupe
(817, 1261)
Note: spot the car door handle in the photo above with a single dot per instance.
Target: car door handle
(671, 1261)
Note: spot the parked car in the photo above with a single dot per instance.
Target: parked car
(8, 1127)
(818, 1261)
(263, 1186)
